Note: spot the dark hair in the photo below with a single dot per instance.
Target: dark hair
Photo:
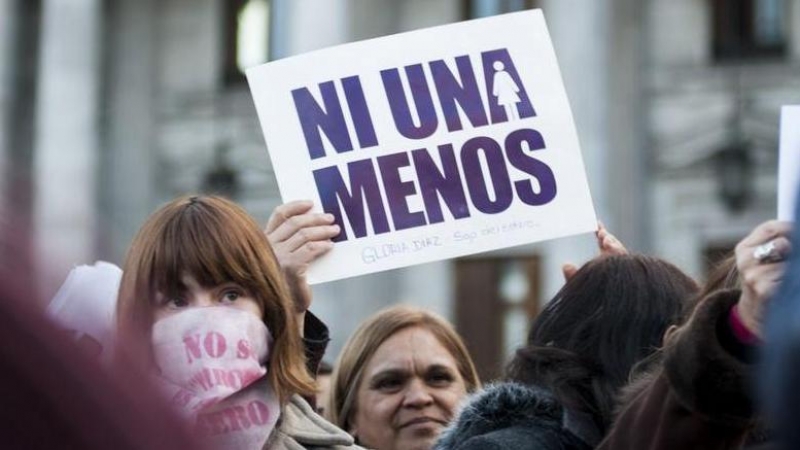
(612, 313)
(723, 275)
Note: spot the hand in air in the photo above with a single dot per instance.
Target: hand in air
(760, 260)
(608, 244)
(298, 237)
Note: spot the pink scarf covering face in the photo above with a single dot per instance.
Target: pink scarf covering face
(212, 363)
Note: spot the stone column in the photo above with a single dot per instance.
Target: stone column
(8, 20)
(66, 149)
(19, 39)
(310, 24)
(627, 191)
(794, 29)
(597, 49)
(127, 181)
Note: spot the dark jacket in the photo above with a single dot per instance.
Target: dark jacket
(315, 341)
(701, 398)
(513, 416)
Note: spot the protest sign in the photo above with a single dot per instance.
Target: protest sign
(789, 161)
(428, 145)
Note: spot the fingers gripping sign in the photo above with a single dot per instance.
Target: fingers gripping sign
(608, 243)
(298, 237)
(759, 259)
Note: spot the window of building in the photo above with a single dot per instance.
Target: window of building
(485, 8)
(247, 36)
(746, 29)
(496, 299)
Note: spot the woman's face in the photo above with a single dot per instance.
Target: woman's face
(230, 295)
(409, 392)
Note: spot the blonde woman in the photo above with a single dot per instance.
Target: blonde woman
(399, 379)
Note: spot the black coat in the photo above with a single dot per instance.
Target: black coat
(513, 416)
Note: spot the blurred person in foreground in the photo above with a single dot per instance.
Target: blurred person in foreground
(560, 388)
(399, 379)
(780, 372)
(203, 303)
(56, 396)
(702, 397)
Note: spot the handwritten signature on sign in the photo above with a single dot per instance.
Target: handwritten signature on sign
(373, 254)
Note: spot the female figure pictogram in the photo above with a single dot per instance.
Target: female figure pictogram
(505, 89)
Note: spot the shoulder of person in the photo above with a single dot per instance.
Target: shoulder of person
(522, 437)
(300, 427)
(702, 373)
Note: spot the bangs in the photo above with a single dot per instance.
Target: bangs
(199, 241)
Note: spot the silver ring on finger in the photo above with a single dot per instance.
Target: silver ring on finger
(767, 253)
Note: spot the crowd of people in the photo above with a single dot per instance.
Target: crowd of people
(212, 324)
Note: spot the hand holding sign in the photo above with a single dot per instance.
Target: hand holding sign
(760, 276)
(608, 244)
(298, 238)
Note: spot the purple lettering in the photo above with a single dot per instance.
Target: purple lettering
(539, 170)
(365, 130)
(398, 102)
(329, 120)
(445, 183)
(398, 190)
(464, 94)
(498, 172)
(364, 187)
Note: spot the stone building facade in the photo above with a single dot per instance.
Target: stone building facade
(110, 107)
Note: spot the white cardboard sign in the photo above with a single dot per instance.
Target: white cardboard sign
(428, 145)
(789, 162)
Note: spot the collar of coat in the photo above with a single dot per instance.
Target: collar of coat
(302, 424)
(504, 405)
